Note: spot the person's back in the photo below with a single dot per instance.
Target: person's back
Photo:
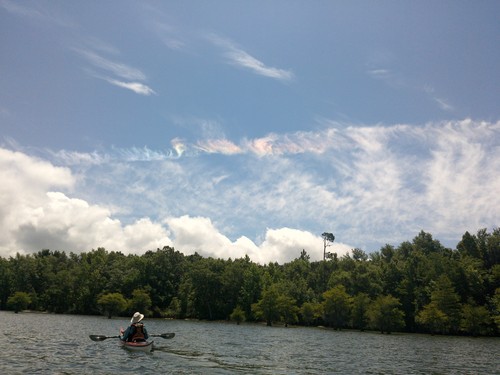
(136, 332)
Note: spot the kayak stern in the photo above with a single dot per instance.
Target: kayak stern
(139, 346)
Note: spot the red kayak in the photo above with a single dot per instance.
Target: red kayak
(141, 346)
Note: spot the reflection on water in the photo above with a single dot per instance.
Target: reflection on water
(60, 344)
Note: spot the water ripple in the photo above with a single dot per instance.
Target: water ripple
(59, 344)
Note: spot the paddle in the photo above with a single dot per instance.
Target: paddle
(102, 337)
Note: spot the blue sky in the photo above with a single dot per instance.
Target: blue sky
(247, 127)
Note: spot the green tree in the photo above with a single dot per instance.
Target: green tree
(162, 272)
(238, 315)
(267, 307)
(5, 282)
(207, 288)
(112, 304)
(23, 273)
(475, 319)
(288, 309)
(468, 246)
(328, 239)
(92, 277)
(174, 309)
(250, 288)
(433, 318)
(232, 282)
(296, 274)
(496, 307)
(336, 307)
(447, 300)
(360, 305)
(310, 311)
(18, 301)
(492, 248)
(385, 314)
(140, 301)
(186, 298)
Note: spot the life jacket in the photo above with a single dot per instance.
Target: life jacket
(138, 333)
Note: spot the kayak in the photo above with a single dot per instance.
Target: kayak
(141, 346)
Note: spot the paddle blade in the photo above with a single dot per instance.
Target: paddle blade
(102, 337)
(98, 337)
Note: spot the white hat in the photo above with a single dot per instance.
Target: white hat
(136, 318)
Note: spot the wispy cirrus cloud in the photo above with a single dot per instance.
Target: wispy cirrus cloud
(395, 80)
(137, 87)
(34, 11)
(168, 35)
(117, 69)
(444, 104)
(241, 58)
(379, 73)
(271, 144)
(218, 146)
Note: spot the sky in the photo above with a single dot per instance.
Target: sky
(233, 128)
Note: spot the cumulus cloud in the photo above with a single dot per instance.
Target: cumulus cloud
(199, 234)
(35, 217)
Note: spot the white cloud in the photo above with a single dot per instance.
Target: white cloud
(116, 68)
(239, 57)
(462, 177)
(369, 186)
(123, 71)
(198, 234)
(443, 104)
(243, 59)
(136, 87)
(35, 218)
(218, 146)
(79, 158)
(380, 73)
(286, 244)
(36, 13)
(168, 34)
(16, 8)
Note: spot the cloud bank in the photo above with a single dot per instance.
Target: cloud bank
(35, 217)
(269, 197)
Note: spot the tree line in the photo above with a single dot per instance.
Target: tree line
(418, 286)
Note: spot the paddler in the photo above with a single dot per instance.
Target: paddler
(136, 332)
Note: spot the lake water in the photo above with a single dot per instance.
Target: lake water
(60, 344)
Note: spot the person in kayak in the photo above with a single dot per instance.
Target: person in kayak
(136, 332)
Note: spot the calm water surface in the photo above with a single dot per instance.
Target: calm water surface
(60, 344)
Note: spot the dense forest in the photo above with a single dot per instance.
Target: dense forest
(419, 286)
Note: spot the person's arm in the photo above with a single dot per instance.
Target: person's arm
(126, 334)
(146, 336)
